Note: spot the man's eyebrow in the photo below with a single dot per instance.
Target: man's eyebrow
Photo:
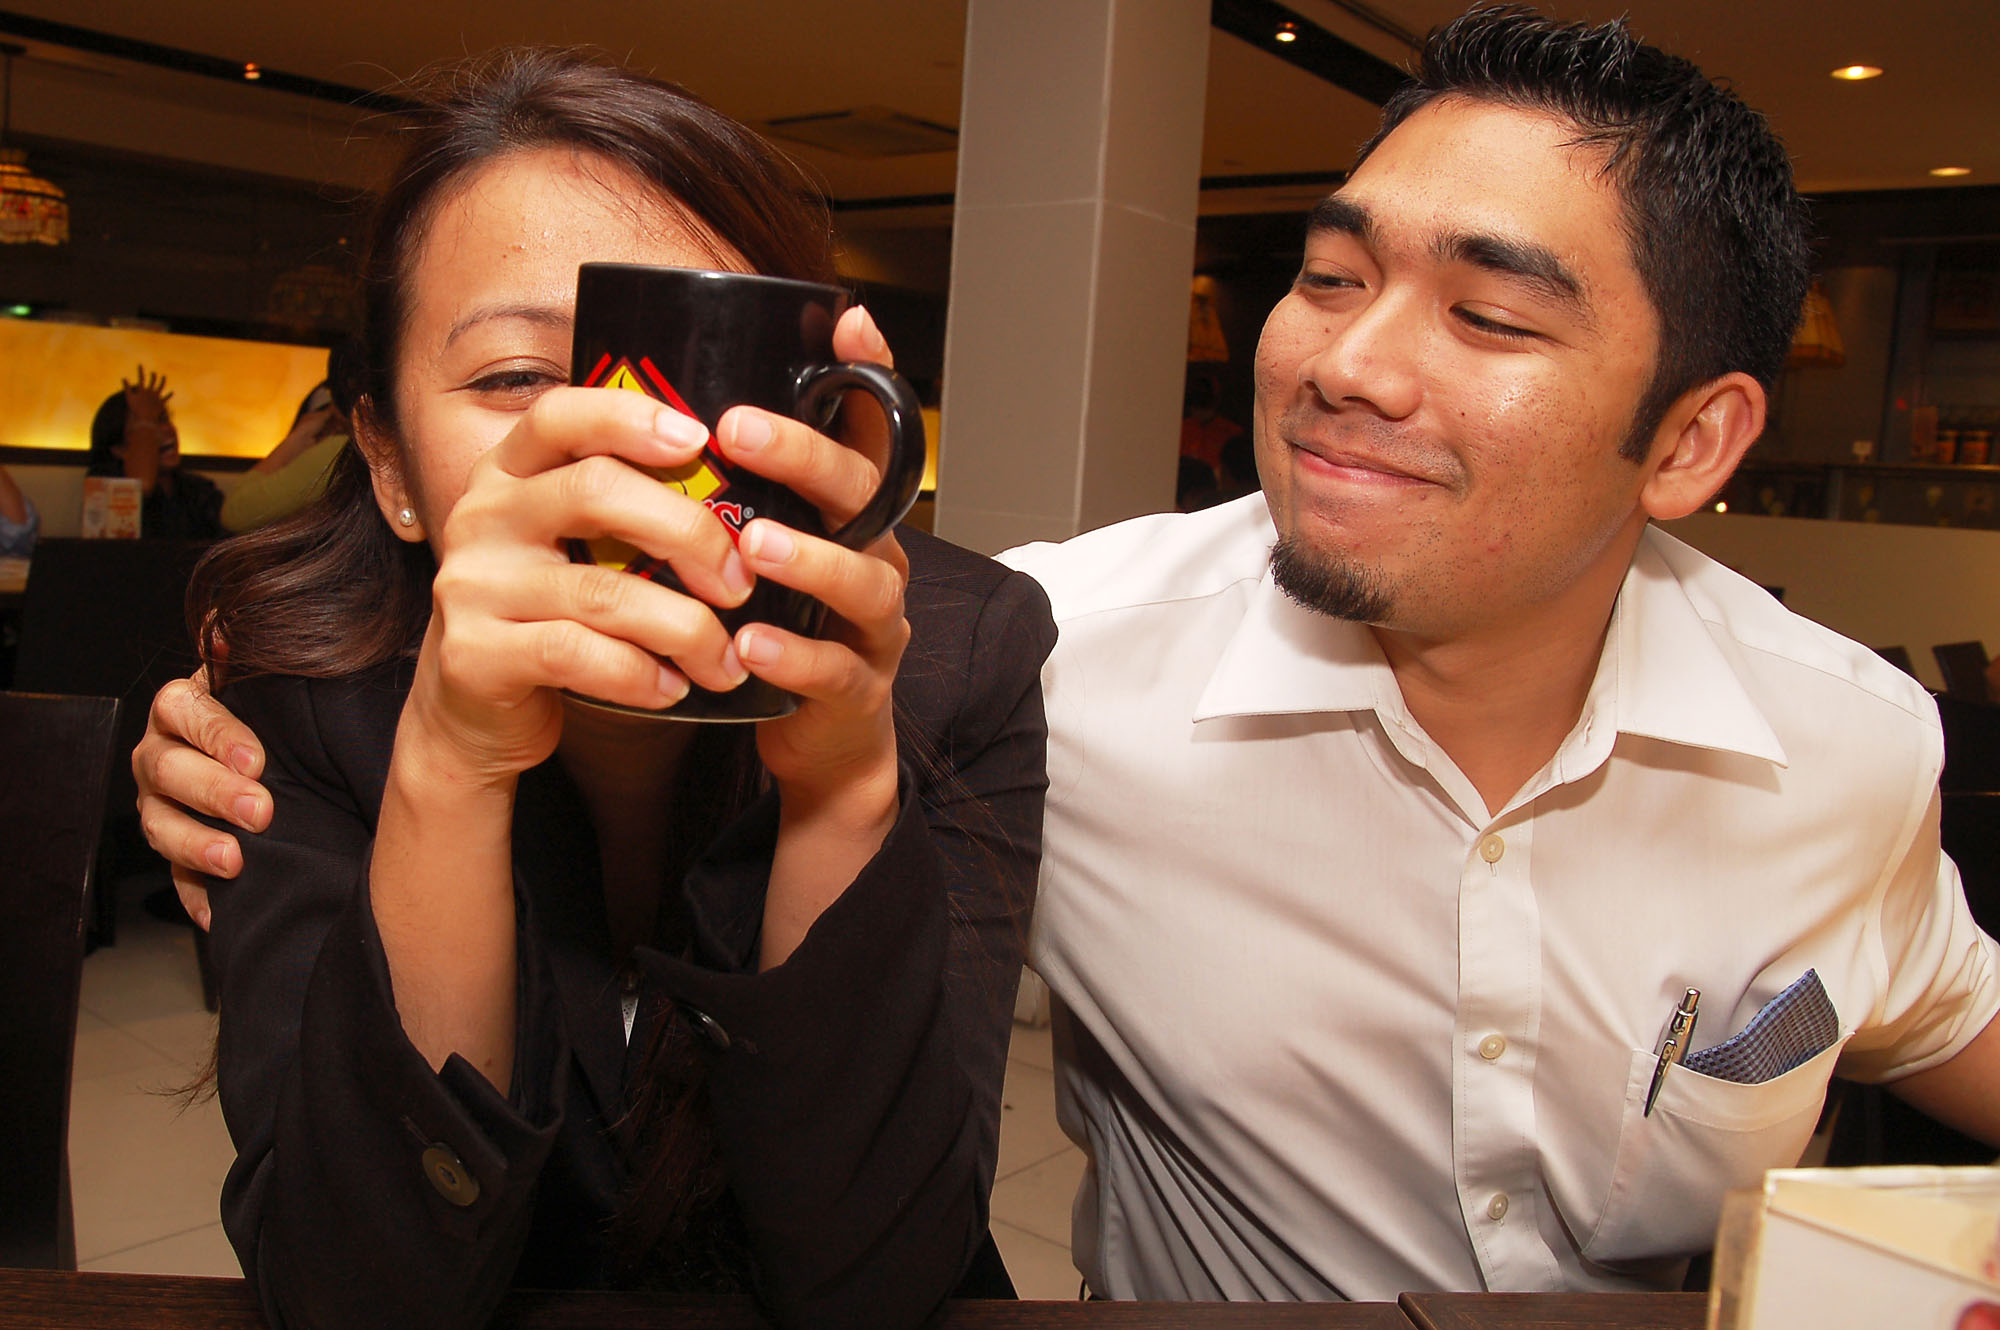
(1525, 262)
(1341, 216)
(553, 317)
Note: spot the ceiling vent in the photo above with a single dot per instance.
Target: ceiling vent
(866, 131)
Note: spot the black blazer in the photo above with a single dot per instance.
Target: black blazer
(854, 1090)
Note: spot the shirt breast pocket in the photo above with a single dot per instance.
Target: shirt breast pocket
(1705, 1137)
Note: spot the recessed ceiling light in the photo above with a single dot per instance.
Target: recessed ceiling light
(1951, 170)
(251, 71)
(1856, 73)
(1288, 32)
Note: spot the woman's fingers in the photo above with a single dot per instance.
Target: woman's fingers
(602, 497)
(835, 479)
(615, 605)
(856, 337)
(865, 590)
(565, 424)
(501, 660)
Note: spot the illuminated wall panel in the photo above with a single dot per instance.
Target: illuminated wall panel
(231, 398)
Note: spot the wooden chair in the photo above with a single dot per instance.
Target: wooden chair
(55, 758)
(108, 618)
(1900, 658)
(1963, 665)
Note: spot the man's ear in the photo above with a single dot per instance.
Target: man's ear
(1702, 438)
(385, 472)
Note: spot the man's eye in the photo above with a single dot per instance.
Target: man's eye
(1493, 327)
(1326, 281)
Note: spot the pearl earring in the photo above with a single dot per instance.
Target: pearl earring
(406, 516)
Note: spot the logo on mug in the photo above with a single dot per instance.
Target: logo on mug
(699, 479)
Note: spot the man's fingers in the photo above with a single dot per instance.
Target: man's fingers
(193, 891)
(185, 711)
(188, 845)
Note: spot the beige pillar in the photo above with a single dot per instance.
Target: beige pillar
(1079, 165)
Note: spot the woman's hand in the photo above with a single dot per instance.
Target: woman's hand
(834, 759)
(514, 620)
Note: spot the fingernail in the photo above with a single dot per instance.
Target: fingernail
(758, 648)
(876, 341)
(243, 760)
(750, 432)
(675, 428)
(672, 683)
(733, 665)
(218, 858)
(768, 542)
(736, 574)
(202, 917)
(247, 808)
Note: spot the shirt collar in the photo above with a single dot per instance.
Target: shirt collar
(1662, 674)
(1673, 679)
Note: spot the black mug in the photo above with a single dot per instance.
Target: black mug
(703, 342)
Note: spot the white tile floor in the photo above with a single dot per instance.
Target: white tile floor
(146, 1171)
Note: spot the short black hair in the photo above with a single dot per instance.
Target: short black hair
(1718, 232)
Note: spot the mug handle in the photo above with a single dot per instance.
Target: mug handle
(904, 474)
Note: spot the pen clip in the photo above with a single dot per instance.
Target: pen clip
(1674, 1043)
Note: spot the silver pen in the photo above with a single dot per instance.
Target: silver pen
(1674, 1045)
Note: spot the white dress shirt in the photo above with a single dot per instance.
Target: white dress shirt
(1327, 1026)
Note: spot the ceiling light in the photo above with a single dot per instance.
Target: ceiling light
(1288, 32)
(1951, 170)
(32, 211)
(19, 311)
(1856, 73)
(251, 71)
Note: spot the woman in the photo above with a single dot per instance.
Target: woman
(517, 991)
(133, 435)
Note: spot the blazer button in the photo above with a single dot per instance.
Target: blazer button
(449, 1175)
(711, 1029)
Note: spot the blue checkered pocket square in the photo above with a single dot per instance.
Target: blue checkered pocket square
(1792, 1028)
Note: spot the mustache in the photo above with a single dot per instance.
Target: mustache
(1369, 438)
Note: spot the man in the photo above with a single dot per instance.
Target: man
(1393, 812)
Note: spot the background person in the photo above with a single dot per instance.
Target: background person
(294, 473)
(19, 520)
(133, 435)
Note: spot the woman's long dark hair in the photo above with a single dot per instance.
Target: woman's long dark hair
(331, 591)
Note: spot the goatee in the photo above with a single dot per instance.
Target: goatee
(1328, 585)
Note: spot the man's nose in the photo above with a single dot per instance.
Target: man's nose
(1373, 359)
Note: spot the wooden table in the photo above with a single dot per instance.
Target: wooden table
(1556, 1311)
(65, 1300)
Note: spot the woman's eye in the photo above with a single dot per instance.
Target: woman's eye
(515, 382)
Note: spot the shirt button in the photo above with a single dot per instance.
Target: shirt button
(1492, 1046)
(1491, 848)
(449, 1175)
(1496, 1208)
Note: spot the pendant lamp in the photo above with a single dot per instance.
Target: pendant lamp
(32, 211)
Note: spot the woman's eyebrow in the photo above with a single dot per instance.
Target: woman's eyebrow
(556, 318)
